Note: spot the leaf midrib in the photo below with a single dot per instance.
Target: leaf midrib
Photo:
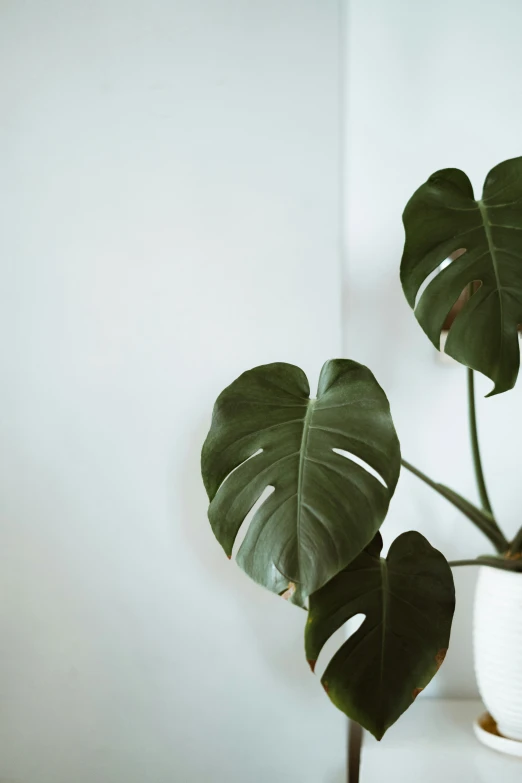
(300, 477)
(492, 251)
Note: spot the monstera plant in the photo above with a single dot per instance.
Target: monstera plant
(315, 475)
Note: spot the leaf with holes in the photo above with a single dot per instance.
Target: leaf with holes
(483, 242)
(325, 508)
(408, 600)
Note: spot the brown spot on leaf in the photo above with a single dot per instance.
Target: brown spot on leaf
(416, 692)
(311, 664)
(229, 557)
(439, 658)
(289, 591)
(326, 686)
(513, 555)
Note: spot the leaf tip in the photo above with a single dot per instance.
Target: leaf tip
(416, 692)
(311, 664)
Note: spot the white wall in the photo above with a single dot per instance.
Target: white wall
(169, 217)
(429, 85)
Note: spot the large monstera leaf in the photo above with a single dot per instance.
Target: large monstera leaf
(324, 508)
(408, 599)
(484, 238)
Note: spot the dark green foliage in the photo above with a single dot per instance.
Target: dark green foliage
(441, 220)
(408, 600)
(325, 508)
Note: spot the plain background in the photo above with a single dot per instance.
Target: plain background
(170, 217)
(177, 177)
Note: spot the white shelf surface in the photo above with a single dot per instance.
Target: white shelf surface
(434, 743)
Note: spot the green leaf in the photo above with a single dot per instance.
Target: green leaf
(408, 599)
(325, 508)
(442, 219)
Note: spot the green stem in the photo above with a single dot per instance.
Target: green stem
(477, 462)
(516, 545)
(503, 563)
(482, 519)
(463, 563)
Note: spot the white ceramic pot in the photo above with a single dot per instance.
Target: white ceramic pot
(497, 638)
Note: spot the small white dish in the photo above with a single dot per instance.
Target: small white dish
(487, 732)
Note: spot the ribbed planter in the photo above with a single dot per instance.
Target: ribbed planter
(497, 637)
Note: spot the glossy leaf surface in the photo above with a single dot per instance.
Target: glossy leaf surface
(408, 600)
(325, 507)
